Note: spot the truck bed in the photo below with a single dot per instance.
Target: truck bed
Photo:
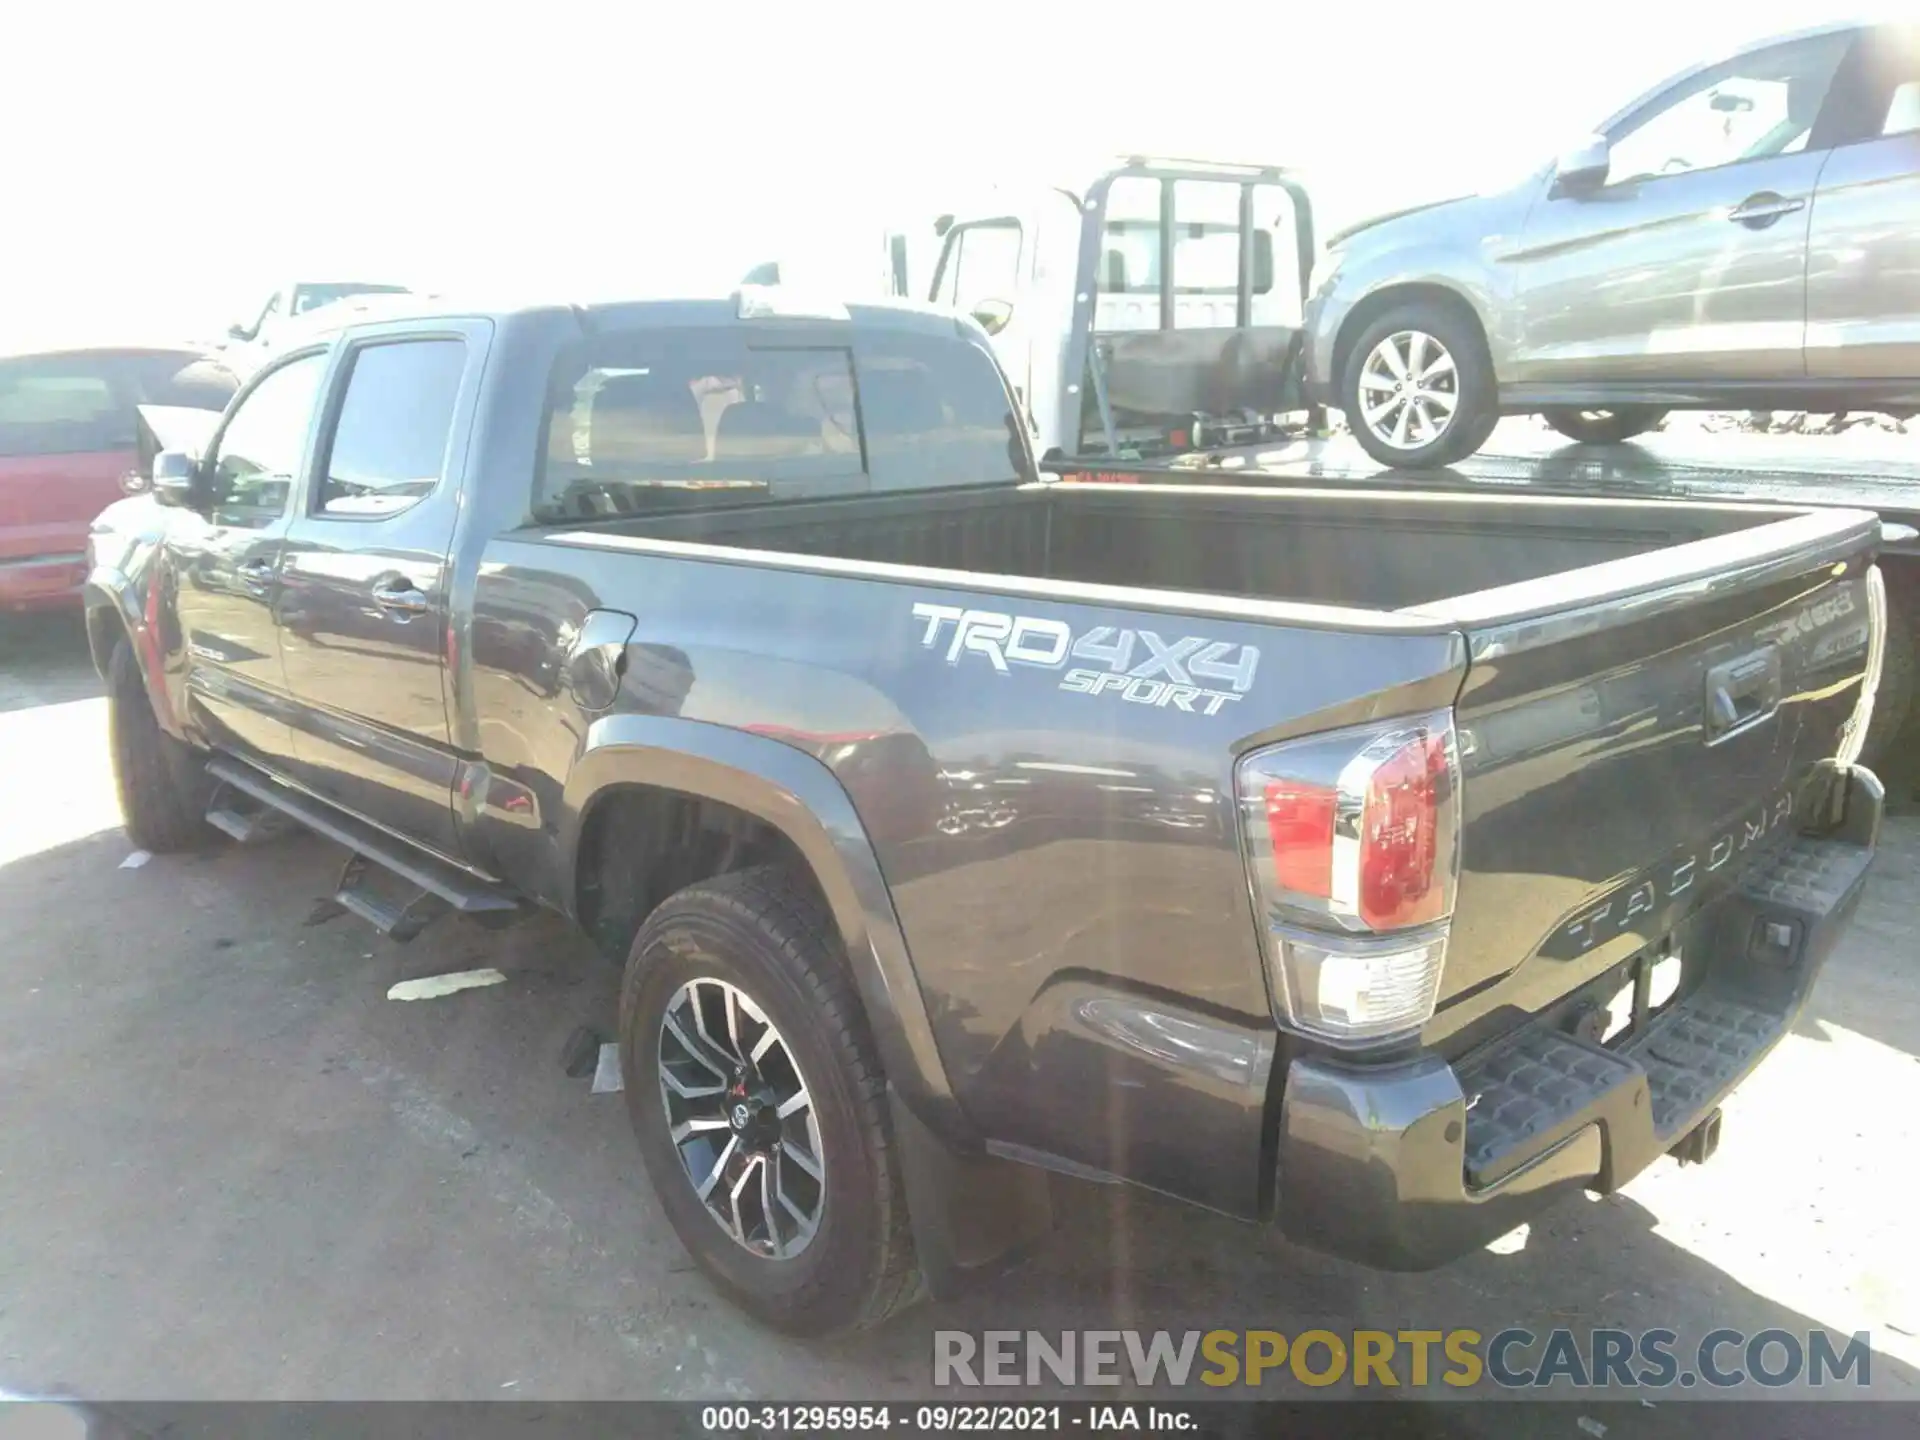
(1378, 552)
(1875, 470)
(1588, 631)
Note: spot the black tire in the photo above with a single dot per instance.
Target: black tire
(1890, 734)
(162, 782)
(764, 932)
(1604, 427)
(1477, 397)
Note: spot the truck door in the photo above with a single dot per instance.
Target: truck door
(364, 588)
(226, 562)
(983, 272)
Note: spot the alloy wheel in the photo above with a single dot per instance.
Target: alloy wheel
(1409, 390)
(740, 1115)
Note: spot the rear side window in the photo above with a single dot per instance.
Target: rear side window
(652, 420)
(937, 413)
(389, 445)
(656, 419)
(56, 407)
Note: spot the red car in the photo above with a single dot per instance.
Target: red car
(66, 440)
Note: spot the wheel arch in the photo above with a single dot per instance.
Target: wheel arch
(772, 801)
(106, 627)
(1379, 302)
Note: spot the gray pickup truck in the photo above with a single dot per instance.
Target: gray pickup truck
(1380, 867)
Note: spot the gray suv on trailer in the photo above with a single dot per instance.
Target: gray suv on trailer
(1746, 235)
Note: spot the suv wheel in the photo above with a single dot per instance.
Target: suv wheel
(1604, 427)
(1418, 388)
(758, 1100)
(162, 783)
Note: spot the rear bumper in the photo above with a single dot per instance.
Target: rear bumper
(1407, 1166)
(42, 582)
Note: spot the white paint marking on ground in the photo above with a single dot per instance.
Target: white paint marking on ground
(606, 1074)
(432, 987)
(135, 860)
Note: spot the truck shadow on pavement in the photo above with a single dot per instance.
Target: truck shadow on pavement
(1125, 1261)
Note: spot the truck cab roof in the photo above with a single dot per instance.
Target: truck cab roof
(745, 304)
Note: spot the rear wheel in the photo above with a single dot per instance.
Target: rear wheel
(1604, 427)
(1418, 388)
(757, 1096)
(162, 783)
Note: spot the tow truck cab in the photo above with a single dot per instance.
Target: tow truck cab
(1154, 312)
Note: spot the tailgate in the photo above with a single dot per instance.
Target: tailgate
(1634, 735)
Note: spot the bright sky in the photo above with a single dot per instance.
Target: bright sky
(169, 164)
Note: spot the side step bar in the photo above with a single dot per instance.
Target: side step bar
(438, 888)
(243, 823)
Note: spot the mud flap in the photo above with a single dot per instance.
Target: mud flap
(973, 1216)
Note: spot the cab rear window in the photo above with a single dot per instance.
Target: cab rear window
(645, 420)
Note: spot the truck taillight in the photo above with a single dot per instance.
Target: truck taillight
(1353, 850)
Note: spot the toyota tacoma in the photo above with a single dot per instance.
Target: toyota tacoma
(1379, 867)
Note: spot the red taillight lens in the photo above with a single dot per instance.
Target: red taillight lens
(1300, 827)
(1357, 828)
(1400, 837)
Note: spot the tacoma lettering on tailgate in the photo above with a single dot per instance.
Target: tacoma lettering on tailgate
(1649, 901)
(1136, 665)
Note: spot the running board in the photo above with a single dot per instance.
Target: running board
(244, 823)
(435, 888)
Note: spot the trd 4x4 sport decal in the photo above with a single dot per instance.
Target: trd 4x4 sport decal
(1136, 665)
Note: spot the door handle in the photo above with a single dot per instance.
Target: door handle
(1742, 692)
(1758, 211)
(256, 574)
(401, 595)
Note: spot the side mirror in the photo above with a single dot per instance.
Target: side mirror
(176, 479)
(237, 331)
(1584, 167)
(993, 315)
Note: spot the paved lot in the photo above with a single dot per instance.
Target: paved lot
(233, 1169)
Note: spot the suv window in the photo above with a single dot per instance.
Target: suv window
(654, 418)
(57, 406)
(389, 445)
(1757, 105)
(257, 454)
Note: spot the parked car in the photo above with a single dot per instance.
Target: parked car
(1382, 867)
(1744, 236)
(67, 440)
